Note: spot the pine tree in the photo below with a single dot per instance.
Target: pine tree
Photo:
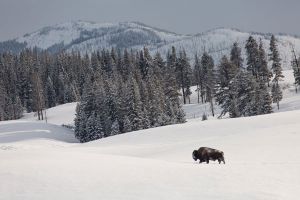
(50, 94)
(126, 125)
(84, 111)
(184, 75)
(236, 57)
(277, 71)
(252, 56)
(115, 129)
(2, 101)
(225, 90)
(173, 109)
(135, 106)
(245, 85)
(276, 94)
(264, 72)
(207, 63)
(198, 74)
(265, 100)
(296, 68)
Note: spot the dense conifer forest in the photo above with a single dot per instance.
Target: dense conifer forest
(125, 90)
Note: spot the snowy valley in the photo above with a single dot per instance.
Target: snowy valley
(149, 100)
(262, 153)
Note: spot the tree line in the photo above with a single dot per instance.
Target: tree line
(125, 90)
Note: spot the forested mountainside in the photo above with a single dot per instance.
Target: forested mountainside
(88, 37)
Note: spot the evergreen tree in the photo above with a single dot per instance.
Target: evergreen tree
(135, 106)
(236, 57)
(198, 74)
(115, 129)
(252, 56)
(264, 72)
(296, 68)
(265, 101)
(207, 63)
(225, 95)
(277, 71)
(50, 94)
(245, 85)
(184, 75)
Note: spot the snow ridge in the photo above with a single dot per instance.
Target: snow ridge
(87, 37)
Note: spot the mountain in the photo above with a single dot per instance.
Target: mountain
(87, 37)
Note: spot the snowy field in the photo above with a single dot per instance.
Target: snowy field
(262, 154)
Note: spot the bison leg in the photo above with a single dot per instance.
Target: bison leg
(207, 158)
(219, 160)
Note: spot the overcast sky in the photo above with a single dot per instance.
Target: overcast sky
(18, 17)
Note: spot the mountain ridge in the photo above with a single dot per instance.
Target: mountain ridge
(87, 36)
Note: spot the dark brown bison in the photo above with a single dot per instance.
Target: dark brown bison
(205, 154)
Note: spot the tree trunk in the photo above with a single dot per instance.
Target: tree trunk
(202, 94)
(212, 107)
(198, 93)
(183, 94)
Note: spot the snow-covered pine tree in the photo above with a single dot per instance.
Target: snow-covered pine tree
(127, 127)
(236, 56)
(207, 63)
(265, 101)
(115, 128)
(276, 94)
(264, 71)
(184, 75)
(277, 71)
(198, 76)
(252, 56)
(135, 105)
(296, 68)
(156, 104)
(245, 86)
(225, 91)
(50, 94)
(84, 111)
(94, 129)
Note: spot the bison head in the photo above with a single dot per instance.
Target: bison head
(195, 155)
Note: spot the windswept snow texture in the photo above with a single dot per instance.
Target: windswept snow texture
(262, 162)
(262, 154)
(15, 131)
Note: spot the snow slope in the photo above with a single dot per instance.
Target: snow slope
(262, 154)
(59, 115)
(87, 36)
(218, 42)
(262, 162)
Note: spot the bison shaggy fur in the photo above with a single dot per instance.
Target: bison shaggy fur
(205, 154)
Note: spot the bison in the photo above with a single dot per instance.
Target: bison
(205, 154)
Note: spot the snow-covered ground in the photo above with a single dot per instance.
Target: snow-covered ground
(262, 153)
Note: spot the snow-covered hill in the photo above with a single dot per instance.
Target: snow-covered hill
(262, 162)
(262, 153)
(218, 42)
(87, 37)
